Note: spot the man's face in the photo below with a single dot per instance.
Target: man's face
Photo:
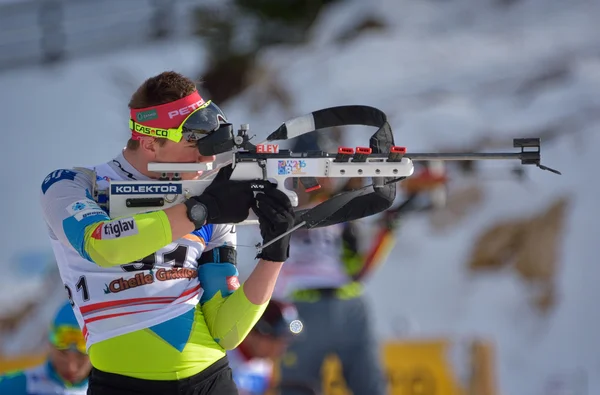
(70, 365)
(181, 152)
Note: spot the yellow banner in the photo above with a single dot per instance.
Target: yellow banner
(8, 364)
(420, 368)
(412, 368)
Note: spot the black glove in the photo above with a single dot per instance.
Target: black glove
(275, 216)
(227, 202)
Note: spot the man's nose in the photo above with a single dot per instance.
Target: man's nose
(202, 159)
(72, 365)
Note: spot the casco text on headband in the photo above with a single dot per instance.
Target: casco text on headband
(165, 120)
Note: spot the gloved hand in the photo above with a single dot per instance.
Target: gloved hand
(275, 216)
(227, 202)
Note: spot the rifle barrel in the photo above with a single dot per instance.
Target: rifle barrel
(464, 156)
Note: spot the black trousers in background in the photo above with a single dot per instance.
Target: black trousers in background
(216, 379)
(336, 326)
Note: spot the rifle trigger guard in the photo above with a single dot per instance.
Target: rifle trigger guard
(263, 165)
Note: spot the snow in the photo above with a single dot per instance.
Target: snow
(446, 73)
(437, 294)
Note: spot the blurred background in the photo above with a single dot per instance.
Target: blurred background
(493, 293)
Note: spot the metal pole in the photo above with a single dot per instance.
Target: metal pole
(163, 19)
(53, 40)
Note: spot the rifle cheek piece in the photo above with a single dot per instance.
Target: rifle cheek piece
(218, 142)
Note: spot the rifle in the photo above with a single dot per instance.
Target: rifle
(382, 161)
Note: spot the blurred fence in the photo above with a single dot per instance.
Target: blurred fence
(47, 31)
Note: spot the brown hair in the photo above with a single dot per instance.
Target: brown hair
(164, 88)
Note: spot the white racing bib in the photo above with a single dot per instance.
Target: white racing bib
(109, 302)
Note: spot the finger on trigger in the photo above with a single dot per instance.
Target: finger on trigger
(266, 207)
(280, 197)
(267, 199)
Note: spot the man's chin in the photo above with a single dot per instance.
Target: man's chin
(71, 378)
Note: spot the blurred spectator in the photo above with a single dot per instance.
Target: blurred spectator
(66, 368)
(252, 361)
(324, 276)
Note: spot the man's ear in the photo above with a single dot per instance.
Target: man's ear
(148, 144)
